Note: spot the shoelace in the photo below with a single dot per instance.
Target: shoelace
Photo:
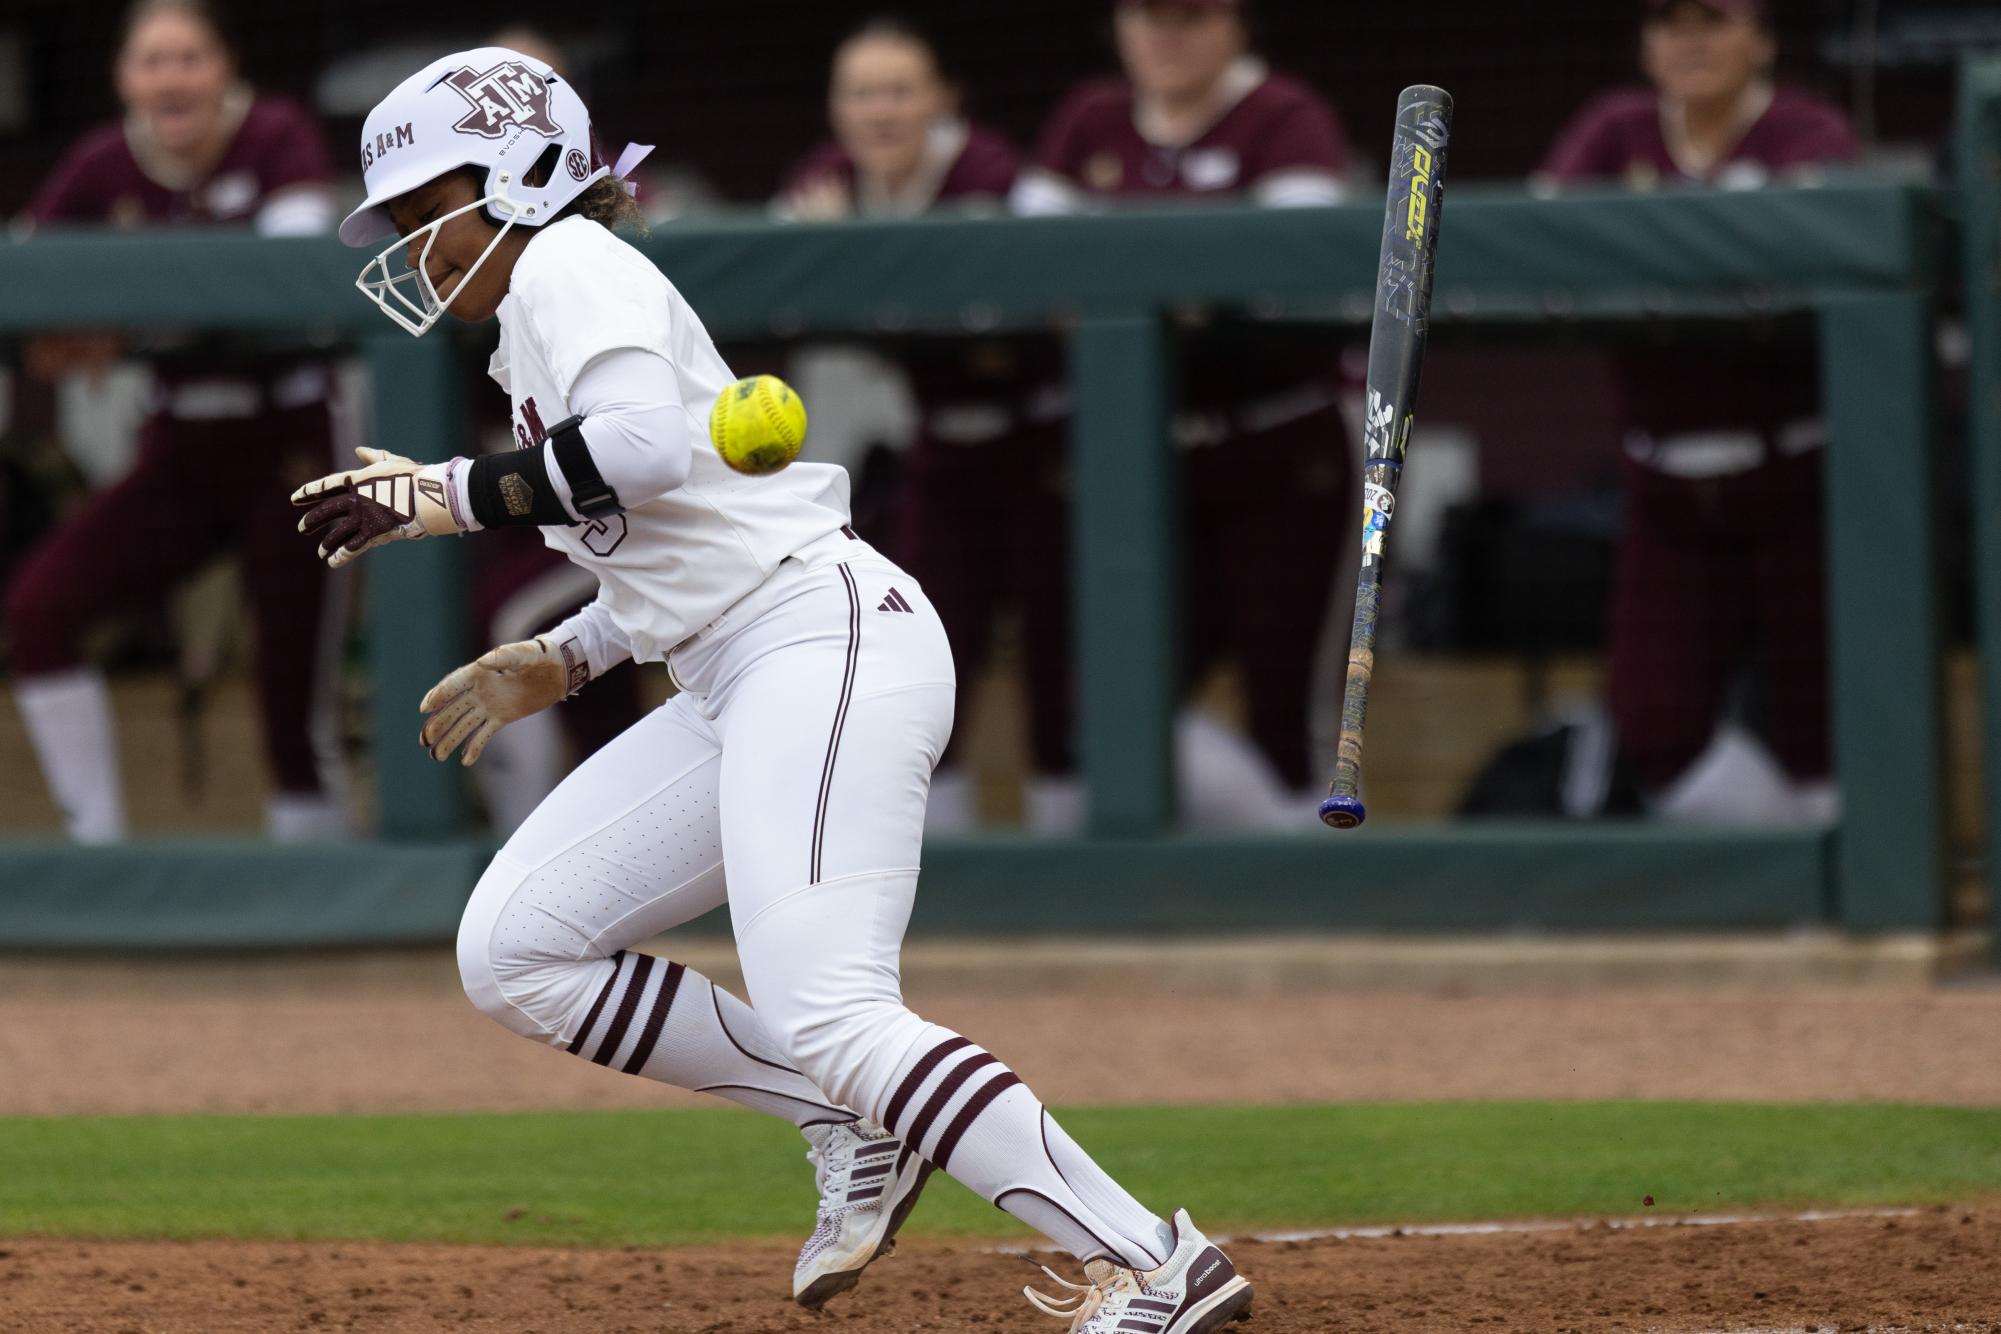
(1084, 1302)
(824, 1176)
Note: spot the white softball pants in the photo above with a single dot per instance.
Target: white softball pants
(798, 755)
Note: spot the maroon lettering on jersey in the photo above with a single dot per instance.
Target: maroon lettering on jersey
(1094, 141)
(1621, 136)
(528, 432)
(276, 146)
(986, 167)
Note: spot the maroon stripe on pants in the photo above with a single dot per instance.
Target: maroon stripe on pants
(656, 1019)
(920, 1125)
(915, 1080)
(628, 1005)
(968, 1114)
(840, 721)
(597, 1006)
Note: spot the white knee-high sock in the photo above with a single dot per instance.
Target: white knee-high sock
(974, 1119)
(667, 1022)
(68, 717)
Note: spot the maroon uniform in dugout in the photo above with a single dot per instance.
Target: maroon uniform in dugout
(112, 177)
(1267, 483)
(982, 505)
(1278, 141)
(963, 163)
(1722, 546)
(227, 429)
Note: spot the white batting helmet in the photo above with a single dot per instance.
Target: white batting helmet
(495, 110)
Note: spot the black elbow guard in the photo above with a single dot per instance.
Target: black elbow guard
(512, 489)
(590, 495)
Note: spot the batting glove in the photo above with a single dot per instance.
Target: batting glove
(393, 497)
(506, 685)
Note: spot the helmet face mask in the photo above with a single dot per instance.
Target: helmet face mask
(405, 293)
(492, 110)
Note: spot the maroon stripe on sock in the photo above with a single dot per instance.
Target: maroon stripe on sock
(915, 1080)
(656, 1019)
(968, 1114)
(628, 1005)
(920, 1125)
(597, 1006)
(902, 1158)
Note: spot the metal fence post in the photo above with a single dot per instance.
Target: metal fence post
(1882, 582)
(416, 592)
(1123, 562)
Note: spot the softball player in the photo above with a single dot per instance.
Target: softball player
(787, 778)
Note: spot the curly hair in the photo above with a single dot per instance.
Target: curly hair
(606, 203)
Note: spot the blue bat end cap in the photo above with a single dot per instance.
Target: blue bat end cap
(1342, 812)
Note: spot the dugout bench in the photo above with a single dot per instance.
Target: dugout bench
(1864, 257)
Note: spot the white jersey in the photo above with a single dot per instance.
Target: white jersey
(669, 566)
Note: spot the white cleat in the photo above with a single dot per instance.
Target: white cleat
(869, 1183)
(1196, 1291)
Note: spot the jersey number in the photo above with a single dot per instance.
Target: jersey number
(602, 537)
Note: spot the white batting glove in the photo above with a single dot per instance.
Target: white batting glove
(504, 686)
(390, 499)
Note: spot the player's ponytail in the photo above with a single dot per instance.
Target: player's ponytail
(606, 203)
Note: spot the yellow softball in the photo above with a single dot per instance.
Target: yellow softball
(758, 425)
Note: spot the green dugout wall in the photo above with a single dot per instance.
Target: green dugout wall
(1862, 257)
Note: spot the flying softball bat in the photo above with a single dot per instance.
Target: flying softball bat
(1397, 335)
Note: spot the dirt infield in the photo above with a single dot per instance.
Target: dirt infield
(393, 1033)
(1934, 1271)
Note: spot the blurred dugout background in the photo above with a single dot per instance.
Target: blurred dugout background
(1505, 549)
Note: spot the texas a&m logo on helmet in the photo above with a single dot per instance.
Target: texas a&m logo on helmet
(504, 97)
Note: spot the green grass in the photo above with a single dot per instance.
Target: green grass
(652, 1178)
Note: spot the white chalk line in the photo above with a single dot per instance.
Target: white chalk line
(1566, 1225)
(1535, 1225)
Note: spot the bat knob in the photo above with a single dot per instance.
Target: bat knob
(1342, 812)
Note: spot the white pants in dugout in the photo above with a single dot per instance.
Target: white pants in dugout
(788, 779)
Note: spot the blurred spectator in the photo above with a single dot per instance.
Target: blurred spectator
(980, 502)
(1267, 480)
(229, 431)
(1721, 556)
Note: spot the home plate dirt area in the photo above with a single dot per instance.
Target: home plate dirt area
(1933, 1270)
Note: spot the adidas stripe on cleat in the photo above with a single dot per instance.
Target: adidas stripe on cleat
(869, 1183)
(1197, 1291)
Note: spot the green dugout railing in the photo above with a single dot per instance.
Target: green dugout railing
(1979, 172)
(1863, 258)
